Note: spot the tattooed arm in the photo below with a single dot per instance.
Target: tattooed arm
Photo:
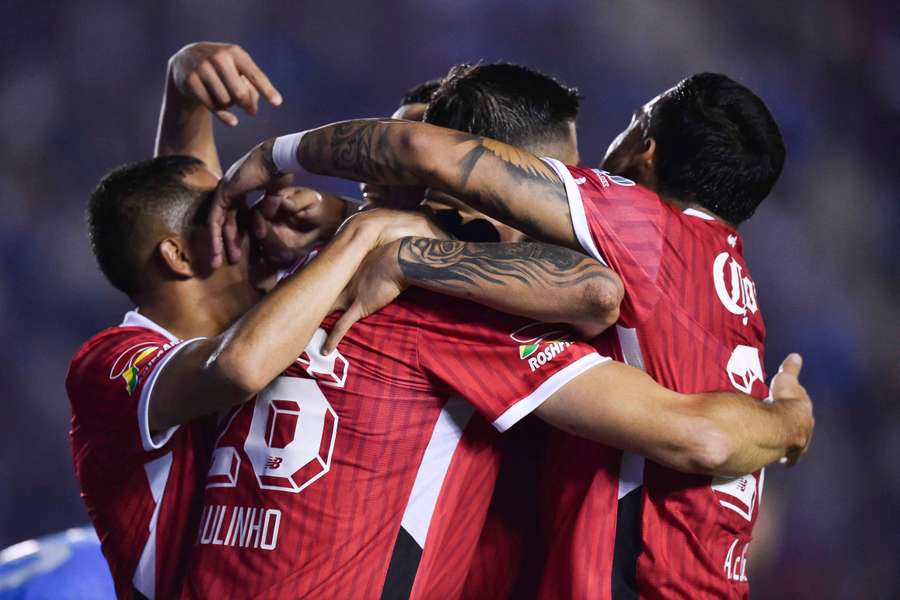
(506, 183)
(530, 279)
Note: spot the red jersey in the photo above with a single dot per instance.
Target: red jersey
(364, 474)
(690, 318)
(142, 490)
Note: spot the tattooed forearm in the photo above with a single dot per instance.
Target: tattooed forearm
(364, 150)
(465, 264)
(515, 278)
(507, 183)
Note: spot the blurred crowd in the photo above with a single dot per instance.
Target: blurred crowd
(80, 87)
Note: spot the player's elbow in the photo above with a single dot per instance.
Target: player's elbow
(709, 449)
(601, 299)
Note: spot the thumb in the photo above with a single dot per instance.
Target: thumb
(227, 117)
(792, 364)
(342, 326)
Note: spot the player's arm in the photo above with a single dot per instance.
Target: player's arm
(205, 79)
(502, 181)
(214, 373)
(530, 279)
(726, 434)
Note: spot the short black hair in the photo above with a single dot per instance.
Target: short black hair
(421, 94)
(507, 102)
(123, 205)
(717, 145)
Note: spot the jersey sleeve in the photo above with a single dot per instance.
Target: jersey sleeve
(622, 225)
(504, 366)
(110, 385)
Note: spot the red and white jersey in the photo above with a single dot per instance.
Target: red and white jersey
(142, 490)
(690, 318)
(364, 473)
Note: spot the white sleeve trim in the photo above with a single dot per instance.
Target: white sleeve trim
(150, 441)
(526, 405)
(576, 209)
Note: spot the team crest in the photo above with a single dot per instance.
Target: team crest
(128, 365)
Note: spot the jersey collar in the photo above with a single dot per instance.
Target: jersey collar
(135, 319)
(693, 212)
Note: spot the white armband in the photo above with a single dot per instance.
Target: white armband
(284, 153)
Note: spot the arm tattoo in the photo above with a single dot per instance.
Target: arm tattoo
(442, 265)
(512, 183)
(363, 150)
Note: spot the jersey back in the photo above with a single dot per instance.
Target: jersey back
(690, 318)
(368, 472)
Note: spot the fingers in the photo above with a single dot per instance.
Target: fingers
(216, 223)
(259, 79)
(231, 237)
(342, 326)
(254, 94)
(792, 364)
(214, 85)
(237, 85)
(260, 226)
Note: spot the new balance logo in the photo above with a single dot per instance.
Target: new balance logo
(273, 462)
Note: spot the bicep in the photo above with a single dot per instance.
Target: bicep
(186, 386)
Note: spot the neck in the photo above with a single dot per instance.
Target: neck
(693, 205)
(190, 309)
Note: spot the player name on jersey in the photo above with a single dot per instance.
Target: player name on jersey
(240, 526)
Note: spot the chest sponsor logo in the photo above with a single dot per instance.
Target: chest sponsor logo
(744, 368)
(128, 365)
(736, 292)
(540, 342)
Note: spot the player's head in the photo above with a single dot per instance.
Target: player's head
(416, 99)
(510, 103)
(412, 108)
(708, 141)
(145, 222)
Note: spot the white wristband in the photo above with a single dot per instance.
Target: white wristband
(284, 153)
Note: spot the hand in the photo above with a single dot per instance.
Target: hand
(786, 390)
(220, 76)
(254, 171)
(285, 224)
(386, 225)
(376, 284)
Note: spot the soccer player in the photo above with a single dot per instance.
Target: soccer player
(706, 152)
(311, 527)
(141, 463)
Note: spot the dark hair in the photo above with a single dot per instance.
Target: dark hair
(125, 203)
(717, 145)
(506, 102)
(421, 94)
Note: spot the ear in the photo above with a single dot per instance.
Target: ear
(645, 162)
(647, 156)
(176, 257)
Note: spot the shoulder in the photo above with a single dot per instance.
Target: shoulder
(114, 356)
